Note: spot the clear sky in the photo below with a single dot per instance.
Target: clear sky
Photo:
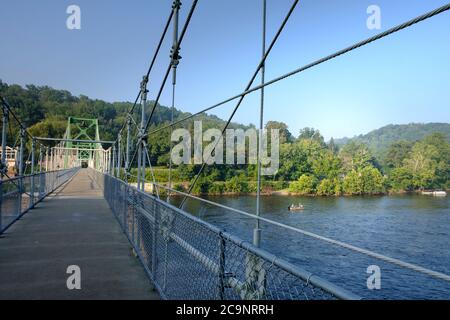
(400, 79)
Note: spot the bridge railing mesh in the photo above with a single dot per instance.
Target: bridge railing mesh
(187, 258)
(20, 194)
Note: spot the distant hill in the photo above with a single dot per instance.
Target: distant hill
(379, 140)
(42, 107)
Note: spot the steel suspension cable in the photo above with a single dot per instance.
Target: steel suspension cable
(183, 32)
(11, 112)
(170, 141)
(257, 230)
(255, 74)
(175, 62)
(360, 44)
(155, 55)
(398, 262)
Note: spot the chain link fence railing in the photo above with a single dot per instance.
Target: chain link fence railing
(20, 194)
(187, 258)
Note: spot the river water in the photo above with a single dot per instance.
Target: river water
(412, 228)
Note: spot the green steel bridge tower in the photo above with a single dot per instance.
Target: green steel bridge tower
(79, 133)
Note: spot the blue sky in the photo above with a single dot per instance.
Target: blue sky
(400, 79)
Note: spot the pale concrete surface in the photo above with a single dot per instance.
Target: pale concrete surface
(74, 226)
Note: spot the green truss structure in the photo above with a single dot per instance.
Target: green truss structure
(82, 129)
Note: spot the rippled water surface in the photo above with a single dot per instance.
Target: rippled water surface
(412, 228)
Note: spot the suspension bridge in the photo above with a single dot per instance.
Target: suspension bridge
(67, 201)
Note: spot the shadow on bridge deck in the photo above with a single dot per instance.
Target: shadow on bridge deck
(74, 226)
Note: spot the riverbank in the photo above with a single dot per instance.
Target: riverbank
(220, 190)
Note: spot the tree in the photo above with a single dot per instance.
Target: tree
(397, 153)
(237, 184)
(305, 185)
(442, 158)
(326, 165)
(285, 135)
(401, 179)
(332, 146)
(367, 180)
(356, 155)
(311, 134)
(422, 165)
(329, 187)
(293, 162)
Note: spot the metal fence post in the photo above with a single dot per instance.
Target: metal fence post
(119, 156)
(133, 214)
(1, 205)
(4, 165)
(155, 239)
(33, 145)
(125, 208)
(113, 162)
(221, 267)
(41, 184)
(21, 179)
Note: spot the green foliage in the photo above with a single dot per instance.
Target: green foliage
(397, 153)
(356, 156)
(311, 134)
(237, 184)
(329, 187)
(179, 187)
(217, 188)
(367, 180)
(401, 179)
(202, 186)
(378, 141)
(413, 157)
(305, 185)
(285, 135)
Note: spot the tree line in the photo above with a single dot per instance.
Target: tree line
(308, 164)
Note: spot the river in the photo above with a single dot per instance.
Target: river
(412, 228)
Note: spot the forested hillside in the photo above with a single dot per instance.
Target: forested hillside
(46, 108)
(396, 158)
(379, 140)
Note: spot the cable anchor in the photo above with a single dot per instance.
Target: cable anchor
(176, 4)
(175, 56)
(144, 90)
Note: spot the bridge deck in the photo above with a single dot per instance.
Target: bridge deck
(74, 226)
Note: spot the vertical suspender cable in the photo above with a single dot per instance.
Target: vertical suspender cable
(180, 39)
(274, 40)
(257, 231)
(127, 152)
(175, 59)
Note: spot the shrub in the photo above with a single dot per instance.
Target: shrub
(306, 184)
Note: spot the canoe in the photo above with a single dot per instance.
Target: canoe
(296, 208)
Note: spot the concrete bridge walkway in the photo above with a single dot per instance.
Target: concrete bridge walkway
(73, 226)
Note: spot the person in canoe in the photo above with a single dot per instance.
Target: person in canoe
(293, 207)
